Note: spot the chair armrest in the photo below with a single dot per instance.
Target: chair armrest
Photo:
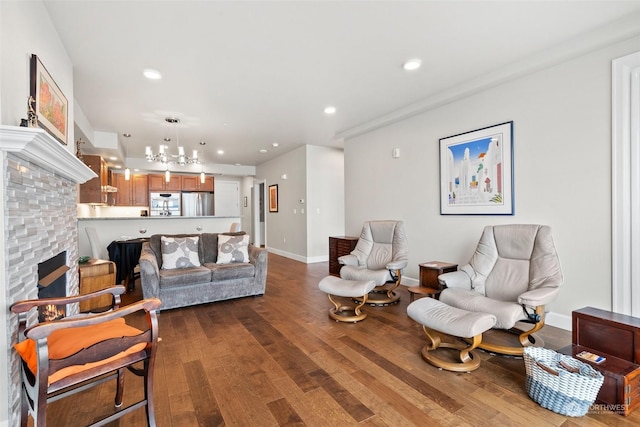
(455, 279)
(45, 329)
(539, 296)
(397, 264)
(348, 259)
(149, 272)
(26, 305)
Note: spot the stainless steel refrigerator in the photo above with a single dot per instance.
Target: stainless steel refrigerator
(197, 203)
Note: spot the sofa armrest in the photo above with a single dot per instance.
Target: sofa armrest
(258, 257)
(149, 272)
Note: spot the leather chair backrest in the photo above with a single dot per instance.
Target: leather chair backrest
(511, 259)
(381, 242)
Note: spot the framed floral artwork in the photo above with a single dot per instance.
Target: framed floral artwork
(51, 106)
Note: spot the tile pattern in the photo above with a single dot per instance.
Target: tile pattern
(40, 222)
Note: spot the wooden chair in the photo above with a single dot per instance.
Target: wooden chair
(65, 356)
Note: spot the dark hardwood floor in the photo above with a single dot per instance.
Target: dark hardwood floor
(279, 360)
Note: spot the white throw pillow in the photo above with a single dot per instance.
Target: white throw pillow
(232, 248)
(179, 252)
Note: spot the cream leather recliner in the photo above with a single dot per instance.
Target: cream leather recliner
(380, 255)
(513, 274)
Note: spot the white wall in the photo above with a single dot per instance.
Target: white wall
(562, 150)
(324, 205)
(301, 230)
(287, 228)
(26, 29)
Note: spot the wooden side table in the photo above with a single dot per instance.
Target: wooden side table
(96, 274)
(339, 246)
(429, 272)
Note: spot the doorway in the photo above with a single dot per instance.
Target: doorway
(259, 223)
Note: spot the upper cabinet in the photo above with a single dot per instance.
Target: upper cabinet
(158, 183)
(134, 192)
(94, 190)
(192, 183)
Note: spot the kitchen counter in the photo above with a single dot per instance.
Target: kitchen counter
(117, 228)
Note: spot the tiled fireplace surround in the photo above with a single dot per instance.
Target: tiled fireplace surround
(39, 193)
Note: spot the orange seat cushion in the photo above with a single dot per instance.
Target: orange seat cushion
(66, 342)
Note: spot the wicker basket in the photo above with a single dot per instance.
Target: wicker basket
(560, 383)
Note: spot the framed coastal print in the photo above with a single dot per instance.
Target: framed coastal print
(51, 106)
(273, 198)
(476, 172)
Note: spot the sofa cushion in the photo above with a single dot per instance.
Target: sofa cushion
(184, 276)
(232, 249)
(231, 271)
(179, 252)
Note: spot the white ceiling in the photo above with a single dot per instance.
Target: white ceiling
(242, 75)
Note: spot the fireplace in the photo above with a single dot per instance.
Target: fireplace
(52, 282)
(39, 189)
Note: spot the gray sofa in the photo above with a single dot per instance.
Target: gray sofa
(197, 285)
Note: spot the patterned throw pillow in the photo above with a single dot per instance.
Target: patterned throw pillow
(232, 248)
(179, 252)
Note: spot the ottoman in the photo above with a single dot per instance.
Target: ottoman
(335, 286)
(437, 317)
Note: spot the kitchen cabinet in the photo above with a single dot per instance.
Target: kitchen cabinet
(158, 183)
(94, 190)
(134, 192)
(192, 183)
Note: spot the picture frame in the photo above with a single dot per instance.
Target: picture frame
(51, 106)
(476, 172)
(273, 198)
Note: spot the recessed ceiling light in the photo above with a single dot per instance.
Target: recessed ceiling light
(118, 167)
(275, 144)
(167, 139)
(152, 74)
(412, 64)
(220, 152)
(114, 158)
(126, 135)
(330, 109)
(202, 143)
(263, 151)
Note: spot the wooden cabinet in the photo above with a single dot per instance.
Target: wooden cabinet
(339, 246)
(96, 274)
(192, 183)
(93, 191)
(134, 192)
(158, 183)
(616, 337)
(429, 285)
(429, 272)
(613, 333)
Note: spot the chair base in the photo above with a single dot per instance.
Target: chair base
(381, 297)
(471, 363)
(347, 314)
(509, 341)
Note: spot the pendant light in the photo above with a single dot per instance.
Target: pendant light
(127, 174)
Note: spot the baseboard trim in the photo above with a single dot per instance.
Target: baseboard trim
(296, 257)
(558, 320)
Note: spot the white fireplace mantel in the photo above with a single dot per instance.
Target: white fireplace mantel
(38, 146)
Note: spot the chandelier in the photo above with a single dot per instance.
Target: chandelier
(163, 156)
